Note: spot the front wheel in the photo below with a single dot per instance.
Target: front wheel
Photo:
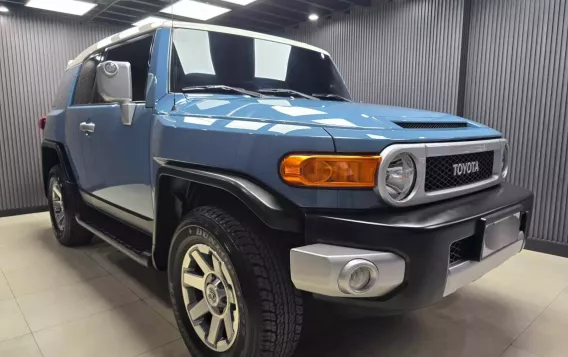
(231, 294)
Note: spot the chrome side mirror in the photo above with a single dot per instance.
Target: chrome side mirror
(114, 83)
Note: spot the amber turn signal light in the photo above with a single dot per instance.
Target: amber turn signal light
(330, 170)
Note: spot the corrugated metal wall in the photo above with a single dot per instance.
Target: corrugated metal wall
(34, 51)
(396, 53)
(517, 82)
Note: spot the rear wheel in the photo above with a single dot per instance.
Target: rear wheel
(62, 209)
(231, 294)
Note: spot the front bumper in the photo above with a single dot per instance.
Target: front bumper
(410, 247)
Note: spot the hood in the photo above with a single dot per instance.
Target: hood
(309, 112)
(354, 127)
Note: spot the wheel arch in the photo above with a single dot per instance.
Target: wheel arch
(180, 189)
(52, 154)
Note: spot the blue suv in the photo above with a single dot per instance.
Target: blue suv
(237, 162)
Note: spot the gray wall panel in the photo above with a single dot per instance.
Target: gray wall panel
(34, 51)
(396, 53)
(517, 82)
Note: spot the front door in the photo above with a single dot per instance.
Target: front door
(76, 113)
(116, 156)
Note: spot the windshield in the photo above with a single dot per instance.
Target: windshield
(202, 58)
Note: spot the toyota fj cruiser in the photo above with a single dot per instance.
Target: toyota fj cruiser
(237, 162)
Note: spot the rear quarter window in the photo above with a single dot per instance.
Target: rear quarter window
(64, 90)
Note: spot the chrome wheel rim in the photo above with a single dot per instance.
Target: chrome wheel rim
(58, 205)
(209, 297)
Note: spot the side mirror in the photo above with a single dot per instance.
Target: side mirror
(114, 83)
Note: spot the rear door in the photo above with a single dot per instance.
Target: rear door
(116, 155)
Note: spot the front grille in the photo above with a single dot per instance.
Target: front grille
(409, 125)
(443, 172)
(464, 249)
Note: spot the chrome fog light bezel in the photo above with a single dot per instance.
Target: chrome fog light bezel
(348, 270)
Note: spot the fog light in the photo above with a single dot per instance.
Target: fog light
(359, 276)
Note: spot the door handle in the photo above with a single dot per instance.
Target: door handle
(87, 127)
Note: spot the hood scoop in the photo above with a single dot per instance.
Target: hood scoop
(431, 125)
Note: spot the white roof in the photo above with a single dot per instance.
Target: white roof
(136, 31)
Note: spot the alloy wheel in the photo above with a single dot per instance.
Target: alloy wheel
(58, 205)
(209, 296)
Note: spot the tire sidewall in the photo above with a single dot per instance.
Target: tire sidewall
(62, 235)
(199, 229)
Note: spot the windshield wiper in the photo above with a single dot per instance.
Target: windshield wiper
(331, 97)
(220, 89)
(286, 91)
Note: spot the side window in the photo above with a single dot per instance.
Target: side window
(138, 54)
(84, 89)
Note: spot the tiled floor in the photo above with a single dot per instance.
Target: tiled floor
(93, 301)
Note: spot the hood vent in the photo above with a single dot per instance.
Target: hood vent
(430, 125)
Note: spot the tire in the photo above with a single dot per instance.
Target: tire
(67, 231)
(268, 308)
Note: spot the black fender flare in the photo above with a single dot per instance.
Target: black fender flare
(63, 161)
(275, 212)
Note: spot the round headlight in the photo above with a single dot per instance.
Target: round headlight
(401, 176)
(505, 161)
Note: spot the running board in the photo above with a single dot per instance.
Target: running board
(140, 256)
